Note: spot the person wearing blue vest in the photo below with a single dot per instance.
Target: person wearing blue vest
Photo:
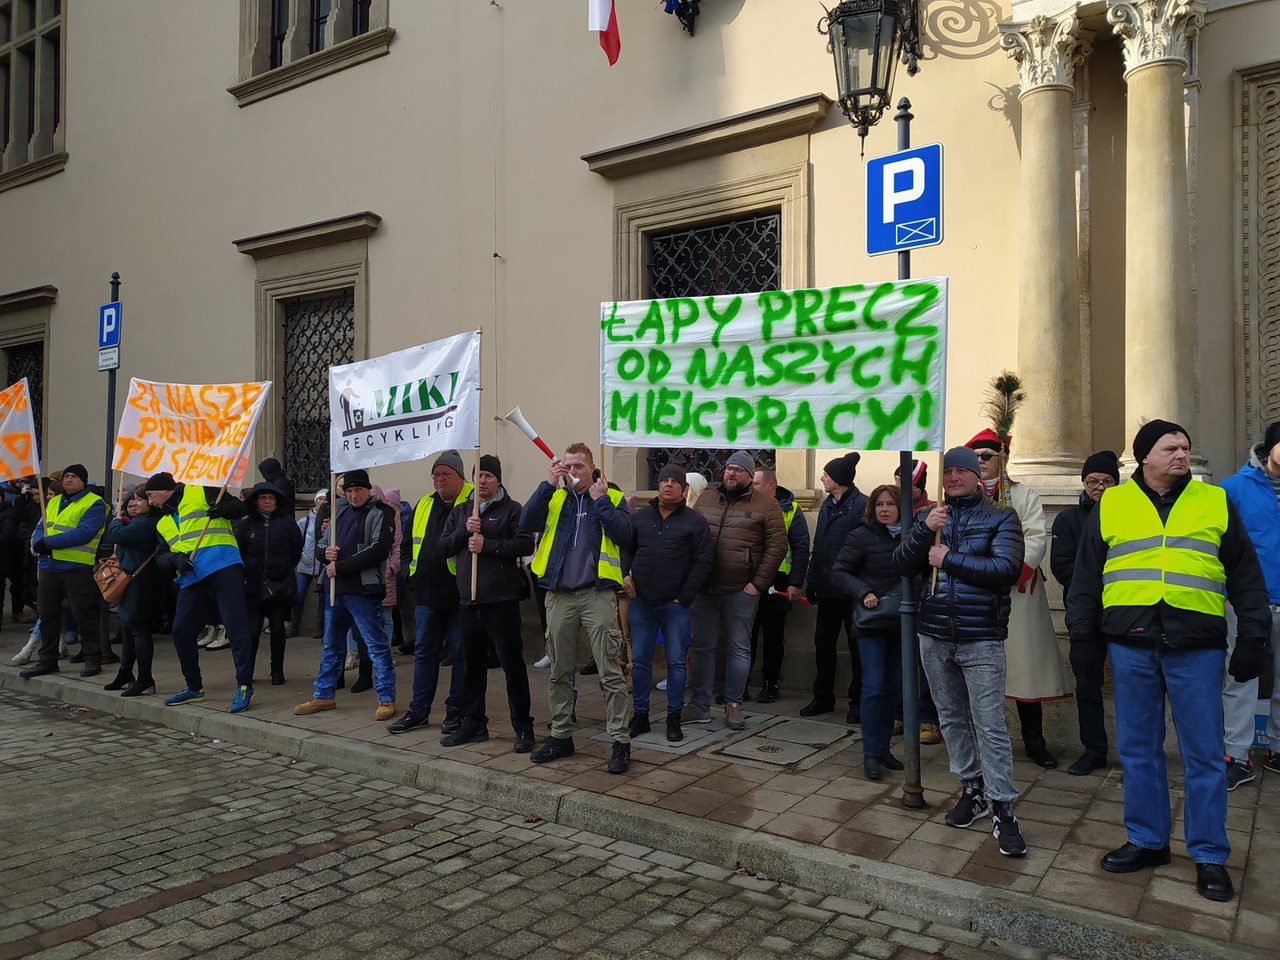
(579, 561)
(199, 549)
(1158, 559)
(66, 541)
(1254, 490)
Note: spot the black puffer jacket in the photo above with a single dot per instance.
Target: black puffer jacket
(672, 556)
(1067, 527)
(865, 564)
(270, 545)
(836, 518)
(984, 560)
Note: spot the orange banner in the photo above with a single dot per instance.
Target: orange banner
(18, 454)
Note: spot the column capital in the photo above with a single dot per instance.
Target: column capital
(1047, 49)
(1155, 31)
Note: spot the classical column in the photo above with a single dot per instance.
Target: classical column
(1160, 332)
(1050, 435)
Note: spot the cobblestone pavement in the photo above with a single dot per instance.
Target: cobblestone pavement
(124, 839)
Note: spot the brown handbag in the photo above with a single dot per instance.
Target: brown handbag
(111, 578)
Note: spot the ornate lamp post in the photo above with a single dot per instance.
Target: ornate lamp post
(867, 38)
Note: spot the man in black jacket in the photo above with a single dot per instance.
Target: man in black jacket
(494, 543)
(354, 550)
(771, 615)
(1157, 560)
(1088, 657)
(964, 620)
(841, 511)
(672, 560)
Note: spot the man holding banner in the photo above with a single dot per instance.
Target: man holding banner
(66, 541)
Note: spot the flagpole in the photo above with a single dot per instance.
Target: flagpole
(333, 532)
(475, 466)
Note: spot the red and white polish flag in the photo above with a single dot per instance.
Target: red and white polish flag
(603, 19)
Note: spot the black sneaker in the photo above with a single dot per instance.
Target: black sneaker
(971, 805)
(469, 732)
(1239, 771)
(590, 670)
(815, 708)
(553, 748)
(1271, 761)
(768, 693)
(524, 741)
(1006, 830)
(410, 721)
(620, 759)
(639, 724)
(452, 722)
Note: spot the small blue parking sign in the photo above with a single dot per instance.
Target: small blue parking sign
(904, 200)
(109, 325)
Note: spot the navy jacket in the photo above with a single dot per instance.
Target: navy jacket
(672, 556)
(836, 519)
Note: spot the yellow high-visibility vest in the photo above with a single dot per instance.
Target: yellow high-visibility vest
(1176, 561)
(63, 516)
(609, 566)
(788, 515)
(421, 514)
(183, 530)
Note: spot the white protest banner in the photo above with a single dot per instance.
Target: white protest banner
(199, 432)
(19, 456)
(406, 405)
(860, 366)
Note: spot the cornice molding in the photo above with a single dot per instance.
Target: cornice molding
(355, 226)
(348, 53)
(35, 170)
(41, 296)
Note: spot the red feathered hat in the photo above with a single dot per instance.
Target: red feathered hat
(988, 439)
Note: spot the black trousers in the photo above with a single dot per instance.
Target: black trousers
(834, 615)
(498, 624)
(81, 593)
(277, 610)
(771, 623)
(1088, 663)
(136, 648)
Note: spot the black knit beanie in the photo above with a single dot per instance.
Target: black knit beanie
(1150, 432)
(1104, 461)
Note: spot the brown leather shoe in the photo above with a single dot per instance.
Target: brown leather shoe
(930, 734)
(386, 710)
(314, 706)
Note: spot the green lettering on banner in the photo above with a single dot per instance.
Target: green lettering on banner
(858, 365)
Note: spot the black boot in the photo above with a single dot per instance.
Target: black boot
(639, 724)
(144, 684)
(1038, 751)
(123, 679)
(674, 733)
(364, 680)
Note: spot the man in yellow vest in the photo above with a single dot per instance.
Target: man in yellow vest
(1158, 558)
(579, 562)
(66, 542)
(433, 580)
(201, 551)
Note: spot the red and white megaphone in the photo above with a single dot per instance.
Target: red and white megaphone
(516, 417)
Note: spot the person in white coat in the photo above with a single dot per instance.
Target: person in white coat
(1034, 671)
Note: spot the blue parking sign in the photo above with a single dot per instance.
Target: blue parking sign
(109, 325)
(904, 200)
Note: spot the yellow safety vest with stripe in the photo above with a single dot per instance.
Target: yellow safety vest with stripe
(422, 514)
(1176, 561)
(183, 530)
(609, 566)
(787, 516)
(63, 517)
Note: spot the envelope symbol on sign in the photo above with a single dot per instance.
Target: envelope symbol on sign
(917, 231)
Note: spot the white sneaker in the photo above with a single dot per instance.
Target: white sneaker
(219, 641)
(24, 655)
(543, 663)
(205, 637)
(352, 662)
(662, 684)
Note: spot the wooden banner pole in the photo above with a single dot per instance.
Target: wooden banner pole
(333, 532)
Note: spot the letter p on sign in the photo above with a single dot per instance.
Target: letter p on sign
(904, 200)
(109, 325)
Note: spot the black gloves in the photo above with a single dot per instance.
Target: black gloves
(1247, 663)
(175, 563)
(41, 549)
(223, 510)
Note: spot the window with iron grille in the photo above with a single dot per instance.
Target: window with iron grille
(30, 80)
(27, 360)
(317, 332)
(742, 255)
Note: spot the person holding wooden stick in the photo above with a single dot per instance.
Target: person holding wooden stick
(200, 550)
(964, 620)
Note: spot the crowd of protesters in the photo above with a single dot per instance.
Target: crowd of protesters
(710, 571)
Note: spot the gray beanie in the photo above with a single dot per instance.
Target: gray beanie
(452, 460)
(961, 457)
(740, 458)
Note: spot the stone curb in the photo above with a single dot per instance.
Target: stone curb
(1006, 915)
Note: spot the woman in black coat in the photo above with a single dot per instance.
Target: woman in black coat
(133, 534)
(864, 570)
(270, 546)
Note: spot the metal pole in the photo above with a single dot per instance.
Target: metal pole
(912, 791)
(111, 406)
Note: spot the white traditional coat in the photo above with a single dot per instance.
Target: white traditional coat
(1033, 664)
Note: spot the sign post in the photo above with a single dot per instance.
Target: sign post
(109, 360)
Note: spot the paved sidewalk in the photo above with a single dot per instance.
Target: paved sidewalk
(785, 797)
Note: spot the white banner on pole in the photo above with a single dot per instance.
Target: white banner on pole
(19, 454)
(861, 366)
(406, 405)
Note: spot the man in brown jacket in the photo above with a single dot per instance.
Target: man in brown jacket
(750, 542)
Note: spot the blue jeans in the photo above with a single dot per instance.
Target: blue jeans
(365, 614)
(432, 630)
(1192, 680)
(967, 681)
(645, 622)
(736, 614)
(881, 655)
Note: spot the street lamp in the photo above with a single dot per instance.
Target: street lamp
(867, 38)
